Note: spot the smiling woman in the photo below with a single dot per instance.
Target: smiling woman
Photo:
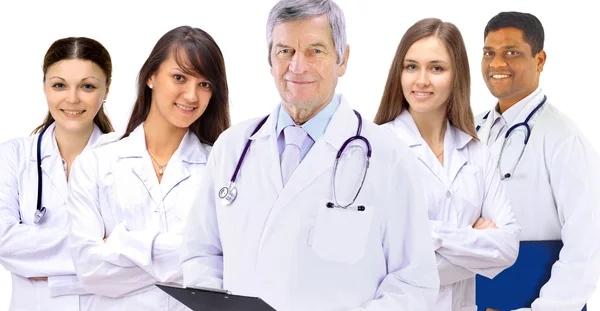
(129, 196)
(33, 235)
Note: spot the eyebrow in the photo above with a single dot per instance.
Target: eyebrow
(281, 45)
(317, 44)
(60, 78)
(505, 47)
(437, 61)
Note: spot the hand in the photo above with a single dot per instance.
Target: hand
(481, 224)
(39, 278)
(490, 309)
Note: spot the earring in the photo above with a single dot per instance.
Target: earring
(103, 102)
(150, 86)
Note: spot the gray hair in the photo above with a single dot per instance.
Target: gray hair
(291, 10)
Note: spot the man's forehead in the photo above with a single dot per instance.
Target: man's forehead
(292, 35)
(506, 38)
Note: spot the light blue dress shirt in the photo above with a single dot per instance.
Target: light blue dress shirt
(315, 127)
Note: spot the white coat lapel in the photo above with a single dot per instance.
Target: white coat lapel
(406, 129)
(454, 142)
(190, 152)
(485, 126)
(53, 167)
(135, 155)
(264, 142)
(51, 163)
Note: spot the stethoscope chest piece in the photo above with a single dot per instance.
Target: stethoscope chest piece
(39, 214)
(228, 194)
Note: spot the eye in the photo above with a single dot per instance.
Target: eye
(284, 51)
(512, 53)
(411, 67)
(178, 78)
(317, 51)
(88, 86)
(58, 86)
(206, 85)
(437, 69)
(488, 54)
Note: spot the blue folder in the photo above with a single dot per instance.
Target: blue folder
(518, 286)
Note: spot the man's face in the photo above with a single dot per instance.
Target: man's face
(305, 63)
(509, 69)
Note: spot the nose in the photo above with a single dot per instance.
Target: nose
(497, 61)
(298, 64)
(423, 78)
(190, 93)
(72, 96)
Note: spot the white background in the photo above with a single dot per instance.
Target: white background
(129, 30)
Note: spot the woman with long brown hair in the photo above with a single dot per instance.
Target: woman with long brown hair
(426, 103)
(33, 187)
(130, 196)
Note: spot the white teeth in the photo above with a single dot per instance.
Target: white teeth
(423, 93)
(185, 107)
(500, 76)
(73, 112)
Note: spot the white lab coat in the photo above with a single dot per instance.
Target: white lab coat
(555, 195)
(284, 245)
(37, 250)
(114, 193)
(465, 188)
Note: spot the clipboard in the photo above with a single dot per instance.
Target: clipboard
(211, 299)
(519, 285)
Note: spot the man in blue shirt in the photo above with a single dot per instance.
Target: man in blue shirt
(285, 220)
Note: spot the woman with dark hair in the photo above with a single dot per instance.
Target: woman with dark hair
(33, 187)
(130, 196)
(426, 103)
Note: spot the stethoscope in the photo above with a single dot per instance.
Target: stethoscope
(229, 193)
(40, 211)
(507, 136)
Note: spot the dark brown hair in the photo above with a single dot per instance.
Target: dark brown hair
(85, 49)
(204, 58)
(459, 110)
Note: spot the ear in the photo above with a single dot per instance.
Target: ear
(540, 59)
(150, 82)
(344, 63)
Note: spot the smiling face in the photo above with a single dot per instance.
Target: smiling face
(509, 69)
(75, 90)
(427, 76)
(177, 97)
(305, 65)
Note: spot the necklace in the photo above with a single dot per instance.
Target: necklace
(160, 167)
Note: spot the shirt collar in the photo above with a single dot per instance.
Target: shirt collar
(511, 113)
(315, 126)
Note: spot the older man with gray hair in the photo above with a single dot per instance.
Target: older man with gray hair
(312, 207)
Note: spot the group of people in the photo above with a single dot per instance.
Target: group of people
(311, 207)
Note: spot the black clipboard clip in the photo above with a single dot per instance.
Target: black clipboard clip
(213, 299)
